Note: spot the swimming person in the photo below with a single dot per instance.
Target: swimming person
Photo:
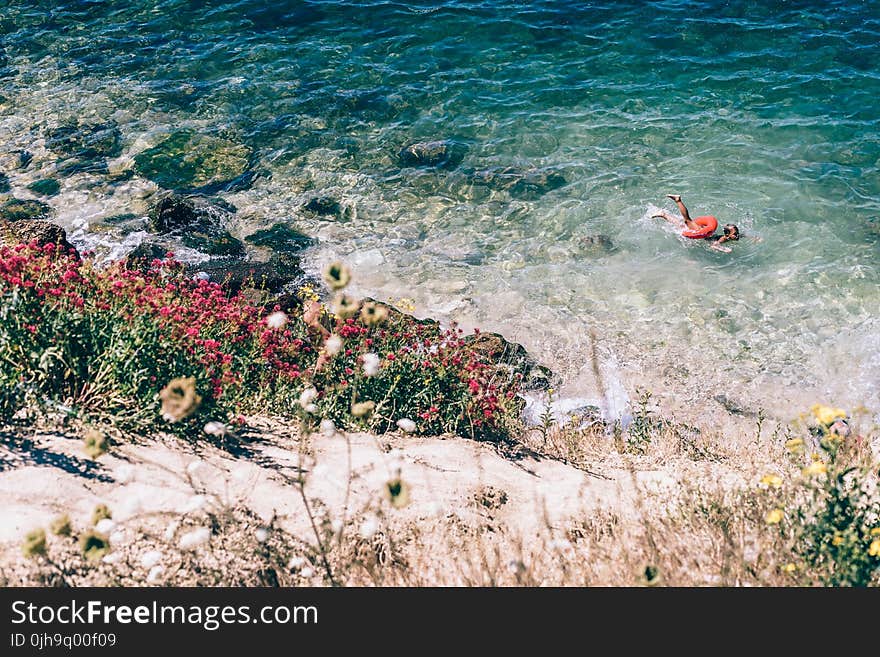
(701, 227)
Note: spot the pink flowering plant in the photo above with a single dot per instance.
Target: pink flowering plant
(106, 344)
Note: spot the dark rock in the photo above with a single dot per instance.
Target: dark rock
(45, 187)
(323, 205)
(19, 210)
(236, 275)
(24, 158)
(526, 183)
(511, 357)
(189, 161)
(4, 183)
(85, 145)
(445, 154)
(143, 255)
(199, 224)
(213, 243)
(33, 230)
(281, 238)
(370, 104)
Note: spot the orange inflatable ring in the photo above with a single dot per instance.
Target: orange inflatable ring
(708, 225)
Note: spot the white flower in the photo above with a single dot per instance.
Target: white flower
(296, 563)
(307, 572)
(151, 558)
(262, 534)
(155, 573)
(406, 425)
(195, 503)
(307, 396)
(124, 473)
(105, 526)
(215, 429)
(328, 428)
(371, 364)
(369, 527)
(195, 538)
(333, 345)
(277, 320)
(310, 408)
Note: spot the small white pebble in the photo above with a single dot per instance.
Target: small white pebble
(296, 563)
(155, 573)
(307, 572)
(151, 558)
(310, 408)
(215, 429)
(105, 526)
(262, 534)
(171, 530)
(194, 467)
(195, 538)
(369, 527)
(336, 526)
(406, 425)
(113, 557)
(328, 428)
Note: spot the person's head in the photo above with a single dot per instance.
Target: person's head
(731, 232)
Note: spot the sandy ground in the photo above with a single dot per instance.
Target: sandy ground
(346, 475)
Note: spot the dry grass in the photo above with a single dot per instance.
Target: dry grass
(711, 531)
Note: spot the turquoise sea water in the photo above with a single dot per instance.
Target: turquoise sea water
(762, 113)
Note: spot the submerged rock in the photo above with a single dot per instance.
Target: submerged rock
(518, 181)
(444, 153)
(199, 224)
(595, 244)
(189, 161)
(281, 238)
(4, 183)
(85, 145)
(19, 210)
(45, 187)
(323, 205)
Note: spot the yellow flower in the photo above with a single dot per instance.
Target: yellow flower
(815, 469)
(362, 409)
(345, 306)
(826, 415)
(789, 568)
(875, 531)
(838, 539)
(179, 399)
(773, 480)
(874, 548)
(337, 275)
(372, 313)
(795, 445)
(35, 543)
(774, 517)
(397, 493)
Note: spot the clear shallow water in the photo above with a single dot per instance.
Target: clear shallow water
(764, 114)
